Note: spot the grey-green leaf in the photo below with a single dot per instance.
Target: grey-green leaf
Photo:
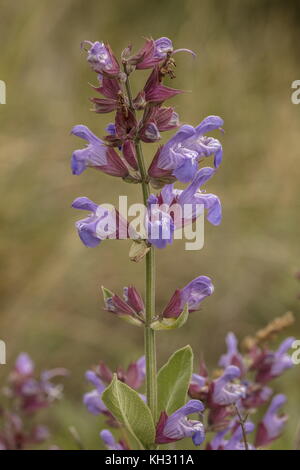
(129, 409)
(174, 379)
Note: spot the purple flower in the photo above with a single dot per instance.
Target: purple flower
(192, 294)
(233, 356)
(236, 440)
(174, 208)
(193, 200)
(101, 58)
(24, 365)
(164, 47)
(218, 441)
(199, 387)
(110, 441)
(153, 52)
(159, 225)
(271, 426)
(111, 128)
(223, 391)
(93, 378)
(270, 365)
(33, 393)
(135, 375)
(50, 390)
(100, 224)
(282, 360)
(180, 156)
(198, 381)
(145, 58)
(178, 426)
(92, 400)
(157, 119)
(164, 117)
(40, 434)
(256, 395)
(96, 155)
(141, 369)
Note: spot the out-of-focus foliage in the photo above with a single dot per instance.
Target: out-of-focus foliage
(247, 58)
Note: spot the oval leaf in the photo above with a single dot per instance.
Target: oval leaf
(129, 409)
(173, 380)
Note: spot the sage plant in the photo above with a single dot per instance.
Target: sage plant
(163, 415)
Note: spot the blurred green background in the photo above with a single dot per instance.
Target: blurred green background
(247, 58)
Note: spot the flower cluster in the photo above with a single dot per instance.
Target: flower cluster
(142, 118)
(26, 395)
(242, 389)
(238, 390)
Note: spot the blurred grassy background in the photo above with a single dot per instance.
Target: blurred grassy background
(247, 58)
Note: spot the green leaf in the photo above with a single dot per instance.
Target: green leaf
(131, 320)
(129, 409)
(107, 294)
(173, 380)
(171, 323)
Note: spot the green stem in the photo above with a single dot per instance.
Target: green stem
(242, 424)
(150, 348)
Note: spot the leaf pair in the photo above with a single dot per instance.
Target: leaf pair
(129, 408)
